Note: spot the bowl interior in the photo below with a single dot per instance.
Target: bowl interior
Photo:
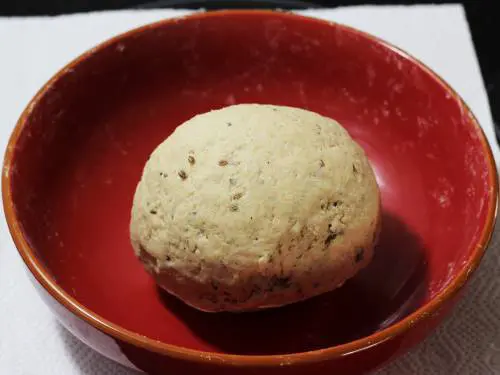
(86, 139)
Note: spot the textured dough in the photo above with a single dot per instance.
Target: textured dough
(254, 206)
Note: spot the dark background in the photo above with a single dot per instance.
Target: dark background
(482, 15)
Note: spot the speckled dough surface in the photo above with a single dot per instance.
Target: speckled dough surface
(253, 206)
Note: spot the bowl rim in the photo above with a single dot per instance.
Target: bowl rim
(423, 313)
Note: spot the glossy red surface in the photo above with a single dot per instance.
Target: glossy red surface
(79, 149)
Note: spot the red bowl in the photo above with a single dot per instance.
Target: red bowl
(77, 153)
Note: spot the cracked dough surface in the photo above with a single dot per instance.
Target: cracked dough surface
(255, 206)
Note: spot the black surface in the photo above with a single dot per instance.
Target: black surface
(484, 25)
(482, 16)
(32, 7)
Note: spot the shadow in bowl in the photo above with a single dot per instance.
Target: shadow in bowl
(391, 287)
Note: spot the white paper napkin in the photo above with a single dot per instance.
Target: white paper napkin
(32, 49)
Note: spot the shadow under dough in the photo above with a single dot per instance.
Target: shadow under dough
(391, 287)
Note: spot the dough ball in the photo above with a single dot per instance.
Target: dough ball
(255, 206)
